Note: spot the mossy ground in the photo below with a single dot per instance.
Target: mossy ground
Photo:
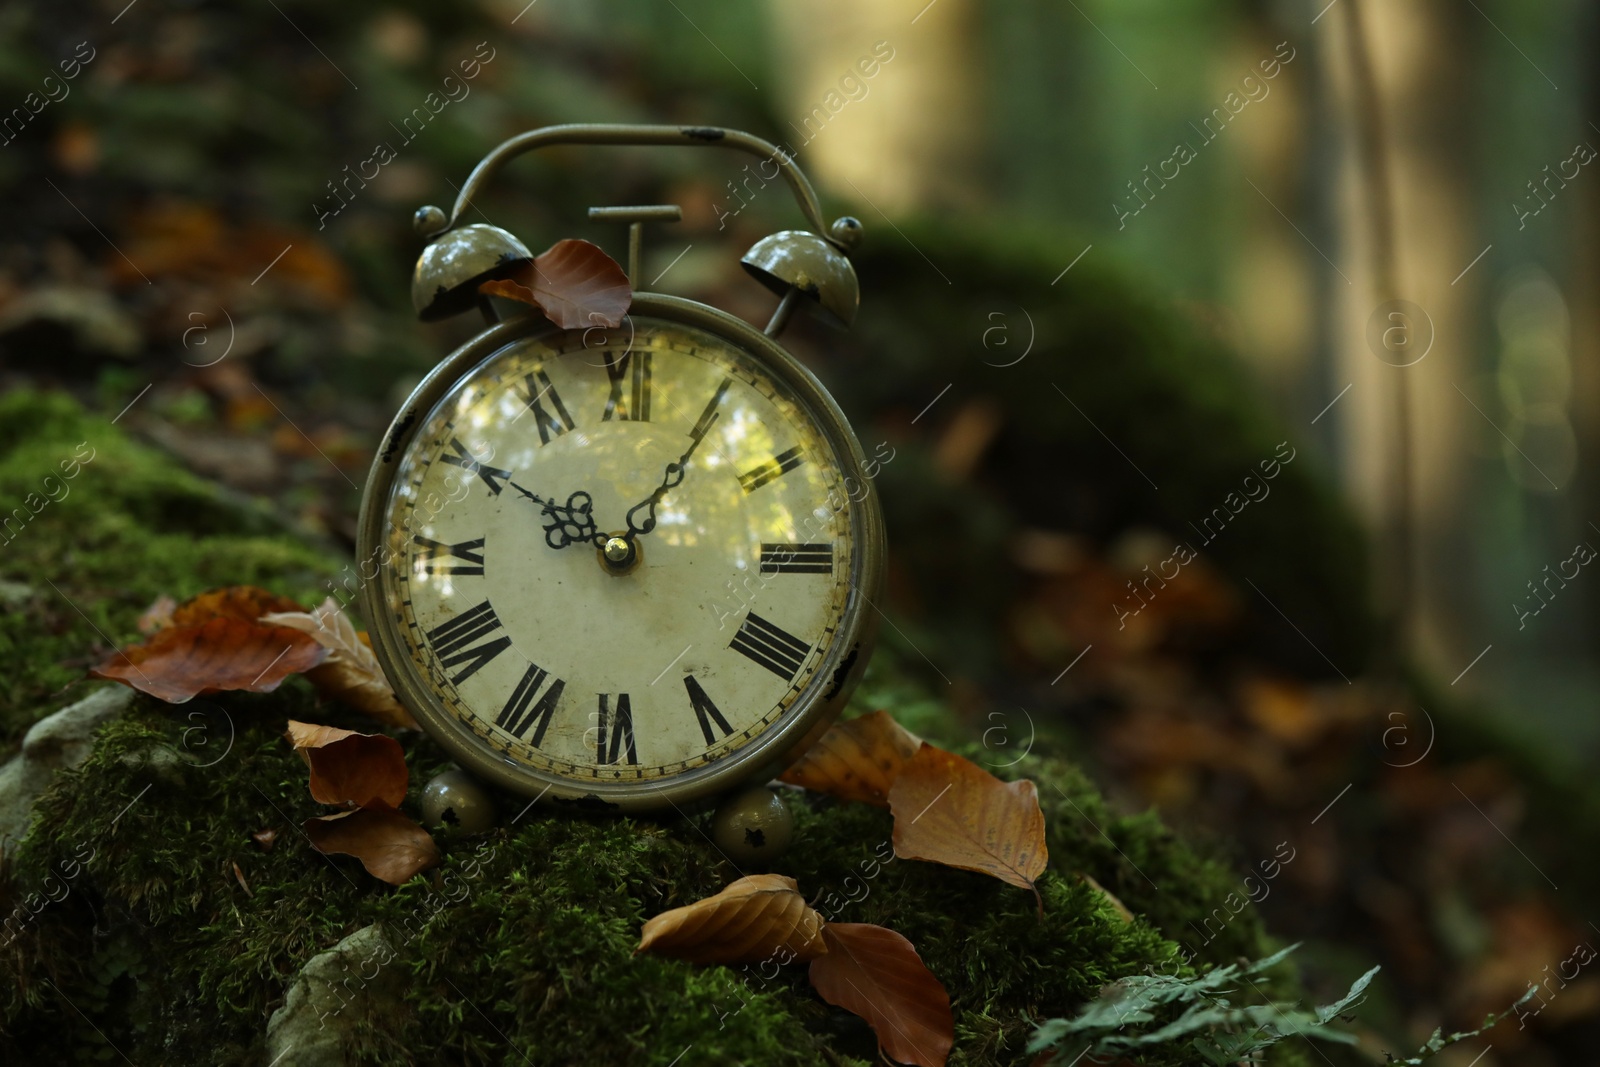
(126, 528)
(179, 936)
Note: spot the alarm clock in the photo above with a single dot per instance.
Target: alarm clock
(631, 568)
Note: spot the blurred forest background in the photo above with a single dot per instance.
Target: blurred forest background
(198, 246)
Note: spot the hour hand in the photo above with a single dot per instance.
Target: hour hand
(571, 523)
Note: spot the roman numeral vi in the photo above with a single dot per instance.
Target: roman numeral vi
(614, 736)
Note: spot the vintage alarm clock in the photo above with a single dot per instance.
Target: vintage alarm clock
(630, 569)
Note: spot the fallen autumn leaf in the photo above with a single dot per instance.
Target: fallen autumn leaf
(755, 918)
(856, 760)
(877, 974)
(349, 767)
(390, 845)
(351, 673)
(949, 810)
(213, 642)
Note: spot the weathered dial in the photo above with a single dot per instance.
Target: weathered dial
(619, 555)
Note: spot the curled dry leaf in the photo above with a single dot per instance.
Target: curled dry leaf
(758, 917)
(574, 282)
(349, 768)
(391, 846)
(212, 642)
(949, 810)
(351, 673)
(856, 760)
(877, 974)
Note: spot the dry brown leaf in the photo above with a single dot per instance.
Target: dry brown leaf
(758, 917)
(351, 768)
(182, 662)
(389, 844)
(856, 760)
(351, 673)
(949, 810)
(247, 602)
(212, 642)
(877, 974)
(574, 282)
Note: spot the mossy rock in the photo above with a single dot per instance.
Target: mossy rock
(177, 935)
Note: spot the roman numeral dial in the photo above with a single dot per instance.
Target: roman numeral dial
(523, 712)
(771, 646)
(458, 456)
(706, 712)
(661, 669)
(468, 641)
(772, 469)
(634, 371)
(542, 399)
(436, 557)
(614, 740)
(796, 558)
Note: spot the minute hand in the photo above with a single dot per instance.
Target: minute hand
(669, 480)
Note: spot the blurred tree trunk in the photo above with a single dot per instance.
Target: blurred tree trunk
(903, 139)
(1416, 51)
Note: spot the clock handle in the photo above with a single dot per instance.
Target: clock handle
(632, 134)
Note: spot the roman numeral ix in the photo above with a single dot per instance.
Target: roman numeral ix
(777, 650)
(614, 734)
(776, 467)
(454, 640)
(435, 554)
(492, 476)
(522, 712)
(705, 710)
(785, 558)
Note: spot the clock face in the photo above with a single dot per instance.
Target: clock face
(619, 556)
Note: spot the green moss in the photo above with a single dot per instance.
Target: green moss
(128, 526)
(177, 936)
(525, 935)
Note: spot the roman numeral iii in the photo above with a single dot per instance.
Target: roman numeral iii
(434, 556)
(522, 712)
(776, 467)
(705, 710)
(492, 476)
(785, 558)
(539, 390)
(614, 732)
(777, 650)
(454, 640)
(617, 370)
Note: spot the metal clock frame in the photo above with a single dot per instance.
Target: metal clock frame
(812, 712)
